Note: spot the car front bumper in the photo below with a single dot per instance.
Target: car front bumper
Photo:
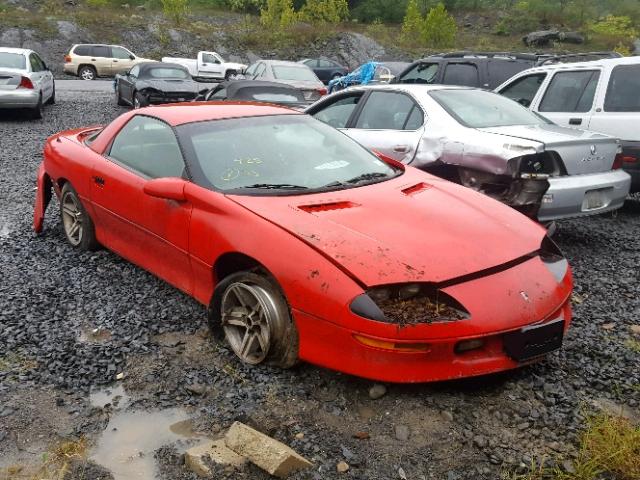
(579, 195)
(20, 98)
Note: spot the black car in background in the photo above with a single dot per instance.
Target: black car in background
(257, 91)
(325, 69)
(482, 69)
(153, 83)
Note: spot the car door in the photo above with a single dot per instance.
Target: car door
(40, 76)
(617, 109)
(151, 232)
(569, 97)
(209, 64)
(101, 60)
(122, 60)
(524, 89)
(127, 83)
(389, 122)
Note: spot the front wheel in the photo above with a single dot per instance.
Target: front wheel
(139, 101)
(76, 223)
(254, 316)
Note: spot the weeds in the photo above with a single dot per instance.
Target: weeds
(609, 448)
(55, 463)
(633, 344)
(16, 361)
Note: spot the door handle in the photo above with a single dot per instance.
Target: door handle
(401, 148)
(575, 121)
(98, 181)
(115, 61)
(93, 59)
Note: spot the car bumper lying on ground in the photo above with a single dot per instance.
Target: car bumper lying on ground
(20, 98)
(577, 195)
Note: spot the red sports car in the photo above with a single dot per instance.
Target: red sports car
(306, 246)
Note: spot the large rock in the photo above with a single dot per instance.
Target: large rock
(269, 454)
(571, 37)
(216, 452)
(540, 38)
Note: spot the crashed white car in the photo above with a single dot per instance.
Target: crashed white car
(209, 65)
(486, 142)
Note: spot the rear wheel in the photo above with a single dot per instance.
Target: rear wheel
(231, 74)
(52, 98)
(76, 223)
(253, 314)
(36, 112)
(87, 72)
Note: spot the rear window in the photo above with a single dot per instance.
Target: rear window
(270, 94)
(623, 92)
(482, 109)
(282, 72)
(82, 50)
(421, 73)
(571, 92)
(464, 74)
(164, 72)
(13, 60)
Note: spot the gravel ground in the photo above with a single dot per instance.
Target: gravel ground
(71, 322)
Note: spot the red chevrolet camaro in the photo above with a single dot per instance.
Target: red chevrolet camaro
(306, 246)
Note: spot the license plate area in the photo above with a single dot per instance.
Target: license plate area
(534, 341)
(594, 199)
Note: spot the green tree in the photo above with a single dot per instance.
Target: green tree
(324, 11)
(439, 27)
(175, 10)
(278, 14)
(413, 23)
(249, 6)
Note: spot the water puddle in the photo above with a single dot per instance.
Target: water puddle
(94, 335)
(127, 444)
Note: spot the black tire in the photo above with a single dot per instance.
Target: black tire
(282, 350)
(76, 215)
(139, 101)
(52, 99)
(119, 99)
(87, 72)
(36, 112)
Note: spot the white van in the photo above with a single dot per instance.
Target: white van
(601, 95)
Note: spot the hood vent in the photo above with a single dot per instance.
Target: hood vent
(415, 189)
(325, 207)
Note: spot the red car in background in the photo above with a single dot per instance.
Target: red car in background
(305, 246)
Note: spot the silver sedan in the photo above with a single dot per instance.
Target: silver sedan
(25, 81)
(485, 142)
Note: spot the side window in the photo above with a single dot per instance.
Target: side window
(623, 90)
(524, 89)
(465, 74)
(135, 71)
(148, 146)
(208, 58)
(502, 69)
(120, 53)
(325, 64)
(570, 92)
(36, 66)
(82, 51)
(249, 72)
(337, 114)
(387, 111)
(421, 73)
(101, 51)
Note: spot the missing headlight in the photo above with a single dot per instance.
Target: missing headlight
(408, 304)
(553, 258)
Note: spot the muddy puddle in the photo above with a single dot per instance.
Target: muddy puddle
(127, 444)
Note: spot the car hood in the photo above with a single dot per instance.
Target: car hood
(412, 228)
(550, 134)
(169, 85)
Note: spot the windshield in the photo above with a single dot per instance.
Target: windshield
(167, 72)
(280, 153)
(13, 60)
(282, 72)
(480, 109)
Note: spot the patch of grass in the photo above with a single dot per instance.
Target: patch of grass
(16, 361)
(55, 463)
(609, 448)
(633, 344)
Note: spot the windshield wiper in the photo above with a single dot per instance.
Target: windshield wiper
(366, 176)
(276, 186)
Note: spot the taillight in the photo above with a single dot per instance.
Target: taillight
(322, 91)
(26, 83)
(67, 59)
(618, 161)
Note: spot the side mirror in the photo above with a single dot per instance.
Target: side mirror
(171, 188)
(132, 57)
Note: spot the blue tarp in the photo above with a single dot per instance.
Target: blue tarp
(360, 76)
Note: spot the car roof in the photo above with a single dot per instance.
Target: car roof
(282, 62)
(182, 113)
(407, 87)
(23, 51)
(604, 62)
(144, 66)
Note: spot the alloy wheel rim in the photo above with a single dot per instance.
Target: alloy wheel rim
(72, 219)
(136, 103)
(248, 312)
(87, 74)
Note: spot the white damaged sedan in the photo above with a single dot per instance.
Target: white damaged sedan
(486, 142)
(25, 81)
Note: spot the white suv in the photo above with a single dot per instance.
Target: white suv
(600, 95)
